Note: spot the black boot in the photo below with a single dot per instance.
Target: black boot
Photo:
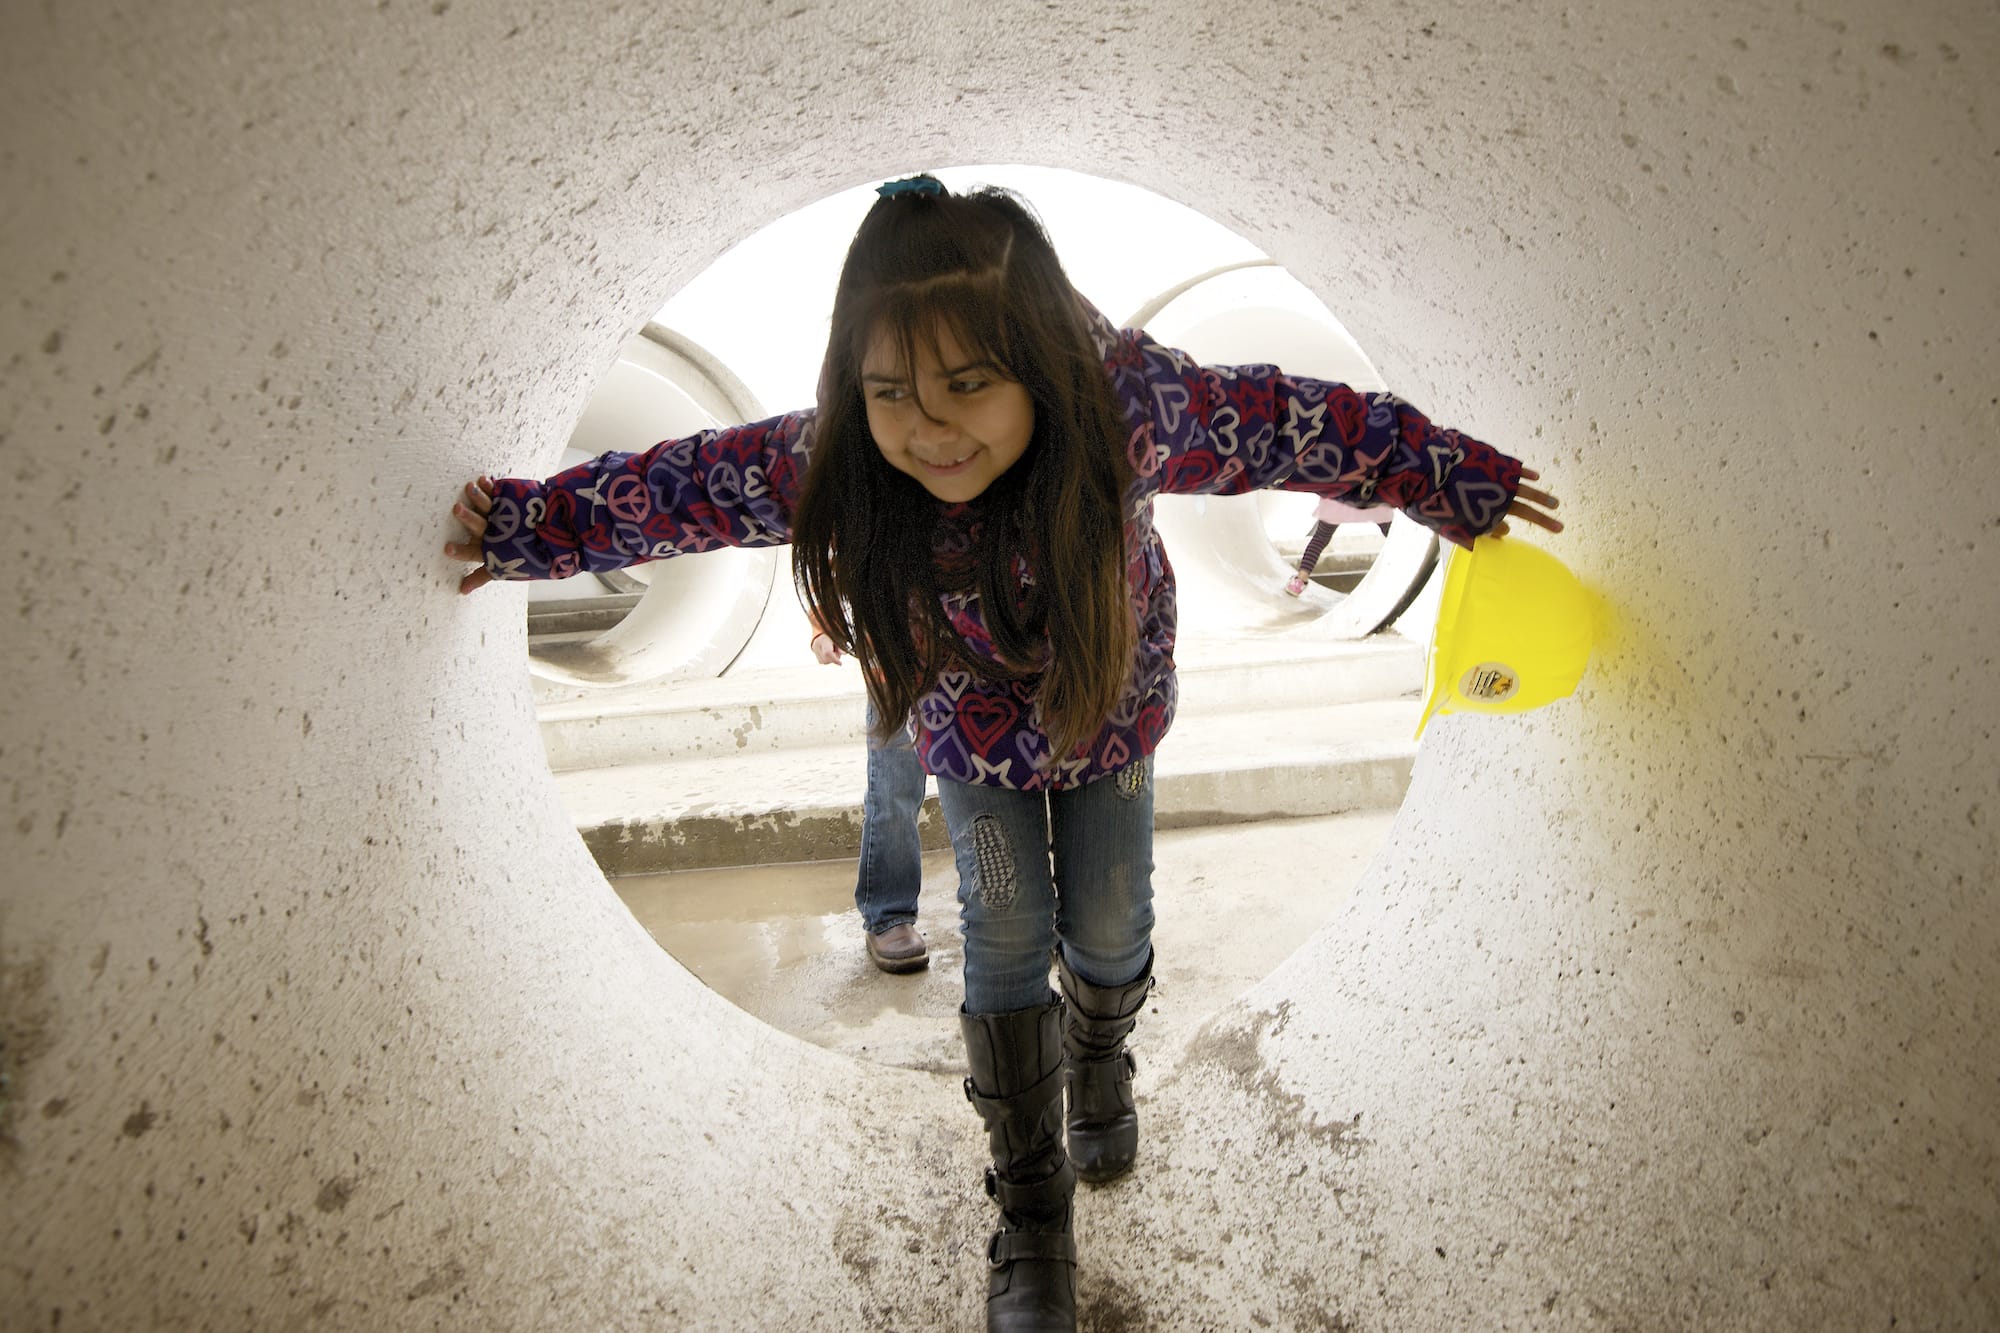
(1103, 1116)
(1016, 1086)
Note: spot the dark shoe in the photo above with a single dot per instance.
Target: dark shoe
(1103, 1114)
(899, 949)
(1016, 1086)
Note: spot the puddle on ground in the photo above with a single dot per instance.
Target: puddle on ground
(784, 942)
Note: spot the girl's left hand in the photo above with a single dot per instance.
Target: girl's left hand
(1531, 505)
(472, 512)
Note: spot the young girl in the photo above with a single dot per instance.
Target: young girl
(970, 509)
(1329, 514)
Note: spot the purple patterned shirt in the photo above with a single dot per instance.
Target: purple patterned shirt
(1191, 429)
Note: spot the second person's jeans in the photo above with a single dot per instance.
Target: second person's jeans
(1035, 868)
(892, 857)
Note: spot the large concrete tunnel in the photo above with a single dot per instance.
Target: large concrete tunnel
(1671, 1006)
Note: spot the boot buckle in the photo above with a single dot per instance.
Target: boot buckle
(992, 1184)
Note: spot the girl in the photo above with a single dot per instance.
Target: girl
(970, 509)
(1329, 514)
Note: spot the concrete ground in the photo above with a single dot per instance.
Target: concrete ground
(784, 942)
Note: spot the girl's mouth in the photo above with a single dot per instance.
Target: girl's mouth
(947, 469)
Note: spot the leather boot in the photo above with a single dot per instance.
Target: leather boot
(1103, 1115)
(1016, 1086)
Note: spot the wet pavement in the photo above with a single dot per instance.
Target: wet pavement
(784, 942)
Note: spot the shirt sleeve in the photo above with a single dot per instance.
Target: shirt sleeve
(1225, 430)
(730, 487)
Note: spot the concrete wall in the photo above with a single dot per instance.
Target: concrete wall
(1670, 1007)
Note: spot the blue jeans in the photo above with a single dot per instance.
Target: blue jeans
(892, 858)
(1038, 868)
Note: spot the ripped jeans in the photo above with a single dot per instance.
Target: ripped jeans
(1035, 868)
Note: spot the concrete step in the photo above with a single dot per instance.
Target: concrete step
(771, 803)
(776, 710)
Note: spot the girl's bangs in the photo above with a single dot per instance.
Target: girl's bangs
(919, 315)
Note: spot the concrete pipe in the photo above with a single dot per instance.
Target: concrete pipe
(1668, 1007)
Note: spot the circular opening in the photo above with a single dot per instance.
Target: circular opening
(718, 773)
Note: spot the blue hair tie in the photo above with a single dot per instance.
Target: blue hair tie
(926, 185)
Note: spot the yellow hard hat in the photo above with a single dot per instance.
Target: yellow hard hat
(1514, 630)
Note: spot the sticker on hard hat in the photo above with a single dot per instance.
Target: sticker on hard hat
(1489, 683)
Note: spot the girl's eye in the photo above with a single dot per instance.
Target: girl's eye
(890, 393)
(967, 386)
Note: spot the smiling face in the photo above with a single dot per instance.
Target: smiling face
(956, 427)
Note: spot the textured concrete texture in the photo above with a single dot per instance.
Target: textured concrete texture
(1669, 1008)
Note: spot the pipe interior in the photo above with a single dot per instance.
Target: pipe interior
(1667, 1007)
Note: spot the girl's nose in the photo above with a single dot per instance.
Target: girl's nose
(932, 425)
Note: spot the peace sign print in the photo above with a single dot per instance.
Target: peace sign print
(626, 496)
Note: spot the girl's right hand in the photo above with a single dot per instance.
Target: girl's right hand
(471, 512)
(823, 649)
(1531, 504)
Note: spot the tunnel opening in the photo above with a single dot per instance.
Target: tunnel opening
(716, 771)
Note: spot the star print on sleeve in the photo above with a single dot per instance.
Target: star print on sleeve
(504, 569)
(1203, 428)
(1302, 424)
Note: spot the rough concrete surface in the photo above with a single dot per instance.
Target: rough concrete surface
(1673, 1008)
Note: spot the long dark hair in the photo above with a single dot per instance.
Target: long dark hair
(979, 267)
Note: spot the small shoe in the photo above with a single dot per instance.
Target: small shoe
(1295, 585)
(899, 949)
